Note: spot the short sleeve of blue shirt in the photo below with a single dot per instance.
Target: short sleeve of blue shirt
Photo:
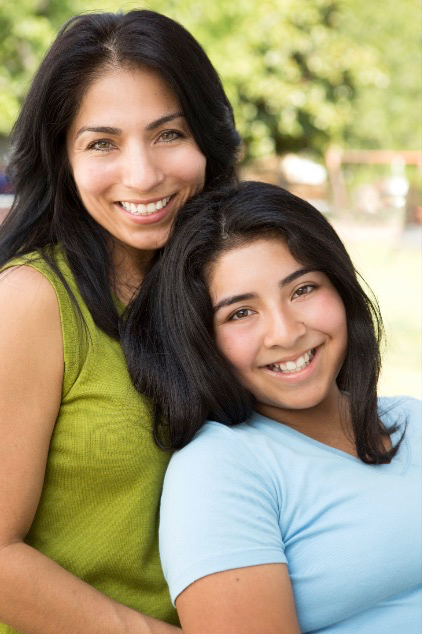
(220, 478)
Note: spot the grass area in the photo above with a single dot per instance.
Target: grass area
(391, 263)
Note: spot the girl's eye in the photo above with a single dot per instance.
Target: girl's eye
(102, 145)
(304, 290)
(170, 135)
(241, 314)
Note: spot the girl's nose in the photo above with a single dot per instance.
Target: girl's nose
(283, 329)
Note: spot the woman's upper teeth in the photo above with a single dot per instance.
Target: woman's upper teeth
(144, 210)
(297, 364)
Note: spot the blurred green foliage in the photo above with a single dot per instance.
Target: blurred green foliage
(300, 73)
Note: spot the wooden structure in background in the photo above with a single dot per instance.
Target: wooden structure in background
(335, 158)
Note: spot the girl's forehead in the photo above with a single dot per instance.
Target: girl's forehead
(250, 261)
(261, 245)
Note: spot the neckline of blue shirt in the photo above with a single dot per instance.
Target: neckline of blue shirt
(282, 428)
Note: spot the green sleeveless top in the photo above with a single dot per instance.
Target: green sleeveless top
(98, 512)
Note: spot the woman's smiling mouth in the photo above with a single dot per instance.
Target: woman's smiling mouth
(144, 209)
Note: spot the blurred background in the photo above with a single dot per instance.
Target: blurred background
(327, 98)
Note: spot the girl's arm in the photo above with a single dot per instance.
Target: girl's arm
(248, 600)
(37, 596)
(221, 544)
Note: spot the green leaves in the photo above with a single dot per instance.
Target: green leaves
(301, 74)
(24, 36)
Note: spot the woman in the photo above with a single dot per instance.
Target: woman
(126, 119)
(299, 509)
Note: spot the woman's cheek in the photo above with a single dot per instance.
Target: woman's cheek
(94, 179)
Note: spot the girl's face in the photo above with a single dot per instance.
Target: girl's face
(281, 325)
(133, 157)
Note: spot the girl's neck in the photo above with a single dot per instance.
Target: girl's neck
(328, 422)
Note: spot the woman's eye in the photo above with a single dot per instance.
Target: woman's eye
(102, 145)
(241, 314)
(170, 135)
(304, 290)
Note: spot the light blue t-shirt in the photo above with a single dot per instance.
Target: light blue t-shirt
(350, 533)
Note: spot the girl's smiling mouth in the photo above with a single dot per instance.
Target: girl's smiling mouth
(294, 365)
(297, 369)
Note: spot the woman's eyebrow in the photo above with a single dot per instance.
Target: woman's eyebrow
(103, 129)
(162, 120)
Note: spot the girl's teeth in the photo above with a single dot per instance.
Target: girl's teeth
(294, 366)
(145, 210)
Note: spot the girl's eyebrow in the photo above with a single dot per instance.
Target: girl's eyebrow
(293, 276)
(103, 129)
(234, 299)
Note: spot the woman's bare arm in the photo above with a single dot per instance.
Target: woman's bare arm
(250, 600)
(37, 596)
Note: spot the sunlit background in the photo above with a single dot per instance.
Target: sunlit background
(327, 97)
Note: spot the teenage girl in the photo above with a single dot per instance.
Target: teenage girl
(296, 507)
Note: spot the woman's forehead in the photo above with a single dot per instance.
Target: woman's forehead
(119, 95)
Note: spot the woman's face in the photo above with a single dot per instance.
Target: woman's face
(282, 326)
(133, 157)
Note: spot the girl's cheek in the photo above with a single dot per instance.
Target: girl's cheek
(327, 314)
(333, 316)
(335, 313)
(239, 349)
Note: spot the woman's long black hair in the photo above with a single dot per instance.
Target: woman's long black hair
(168, 335)
(47, 208)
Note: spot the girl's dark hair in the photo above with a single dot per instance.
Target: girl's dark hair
(47, 208)
(168, 335)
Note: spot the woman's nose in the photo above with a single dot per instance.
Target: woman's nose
(141, 170)
(283, 328)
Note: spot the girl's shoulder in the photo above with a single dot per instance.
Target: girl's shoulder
(400, 411)
(404, 413)
(213, 442)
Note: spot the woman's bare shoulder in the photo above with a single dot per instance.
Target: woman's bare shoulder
(25, 292)
(29, 317)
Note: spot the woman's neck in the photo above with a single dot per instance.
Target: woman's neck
(130, 266)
